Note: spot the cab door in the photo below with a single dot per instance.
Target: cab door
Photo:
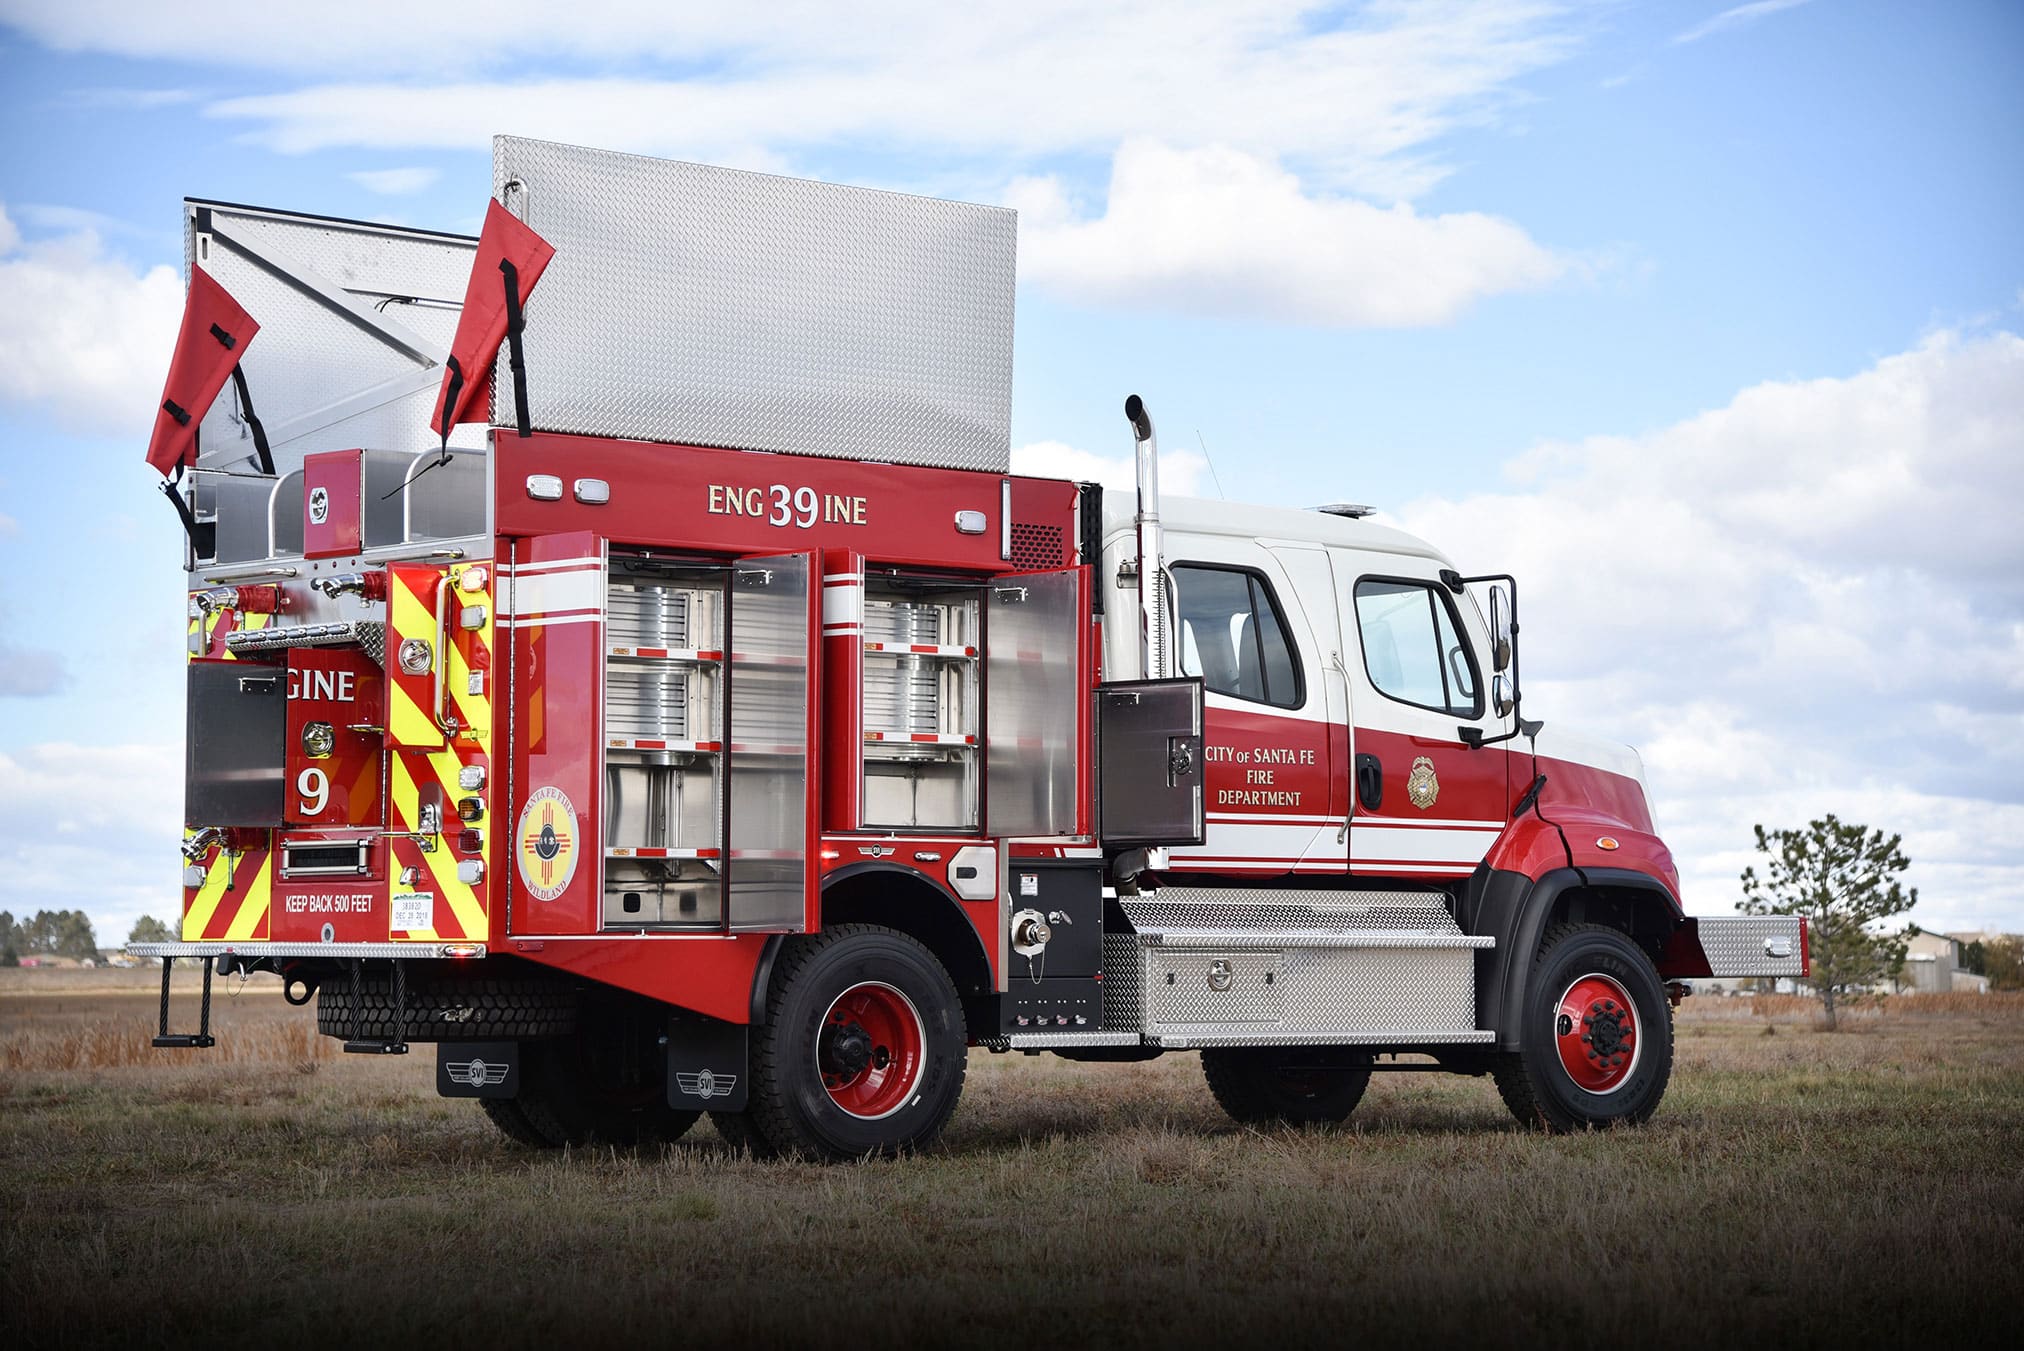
(1425, 803)
(1267, 734)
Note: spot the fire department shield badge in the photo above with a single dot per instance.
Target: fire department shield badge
(1421, 785)
(545, 843)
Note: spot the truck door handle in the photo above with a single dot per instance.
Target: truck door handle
(1369, 782)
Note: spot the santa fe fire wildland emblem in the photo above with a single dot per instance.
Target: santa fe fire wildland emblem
(1421, 785)
(545, 843)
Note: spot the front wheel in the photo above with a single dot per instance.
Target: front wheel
(1596, 1040)
(863, 1050)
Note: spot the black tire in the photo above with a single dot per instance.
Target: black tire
(465, 1010)
(1536, 1083)
(739, 1132)
(1287, 1085)
(505, 1114)
(791, 1104)
(568, 1097)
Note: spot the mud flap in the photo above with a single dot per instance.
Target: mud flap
(707, 1067)
(478, 1069)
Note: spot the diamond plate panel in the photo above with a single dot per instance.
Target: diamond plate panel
(1745, 945)
(1123, 984)
(1184, 988)
(711, 306)
(1369, 989)
(1346, 912)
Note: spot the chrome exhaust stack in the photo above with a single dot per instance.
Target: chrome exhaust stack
(1154, 657)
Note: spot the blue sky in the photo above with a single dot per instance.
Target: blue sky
(1703, 316)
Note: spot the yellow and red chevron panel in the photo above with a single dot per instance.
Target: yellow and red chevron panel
(414, 591)
(431, 897)
(234, 903)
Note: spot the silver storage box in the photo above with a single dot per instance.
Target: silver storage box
(1241, 967)
(707, 306)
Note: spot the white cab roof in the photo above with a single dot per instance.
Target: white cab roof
(1283, 525)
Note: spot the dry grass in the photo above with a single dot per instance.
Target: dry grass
(1804, 1186)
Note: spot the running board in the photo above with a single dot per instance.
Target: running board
(1257, 967)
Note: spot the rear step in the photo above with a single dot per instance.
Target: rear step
(201, 1040)
(397, 1044)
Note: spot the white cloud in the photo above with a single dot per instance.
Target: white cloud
(1351, 95)
(1739, 17)
(395, 182)
(1809, 600)
(143, 100)
(1220, 232)
(94, 828)
(1181, 472)
(83, 336)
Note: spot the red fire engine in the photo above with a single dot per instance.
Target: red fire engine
(687, 710)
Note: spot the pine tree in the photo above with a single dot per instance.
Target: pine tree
(1844, 880)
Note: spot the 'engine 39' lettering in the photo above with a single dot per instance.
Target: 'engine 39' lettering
(331, 686)
(779, 505)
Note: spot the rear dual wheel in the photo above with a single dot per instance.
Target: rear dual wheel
(607, 1085)
(1287, 1085)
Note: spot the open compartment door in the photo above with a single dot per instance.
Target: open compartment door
(771, 820)
(1033, 723)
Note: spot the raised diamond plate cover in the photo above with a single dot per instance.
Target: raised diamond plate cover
(710, 306)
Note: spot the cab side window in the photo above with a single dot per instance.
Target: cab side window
(1232, 635)
(1412, 649)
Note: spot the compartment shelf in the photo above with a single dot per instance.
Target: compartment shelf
(652, 743)
(920, 739)
(685, 655)
(643, 852)
(962, 652)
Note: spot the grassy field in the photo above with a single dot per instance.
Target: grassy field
(1818, 1188)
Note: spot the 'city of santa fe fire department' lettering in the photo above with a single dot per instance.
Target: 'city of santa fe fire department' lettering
(1261, 764)
(779, 505)
(545, 843)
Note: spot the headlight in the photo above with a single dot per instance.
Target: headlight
(416, 656)
(319, 739)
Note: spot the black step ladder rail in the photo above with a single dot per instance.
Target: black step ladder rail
(358, 1043)
(202, 1039)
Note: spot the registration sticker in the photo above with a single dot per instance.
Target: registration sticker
(414, 910)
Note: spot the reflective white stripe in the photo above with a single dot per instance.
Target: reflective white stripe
(1414, 868)
(1263, 840)
(553, 591)
(541, 620)
(1409, 823)
(1378, 844)
(552, 565)
(841, 605)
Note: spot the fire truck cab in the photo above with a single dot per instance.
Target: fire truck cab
(718, 725)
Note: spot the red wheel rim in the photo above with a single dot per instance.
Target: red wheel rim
(1595, 1026)
(871, 1050)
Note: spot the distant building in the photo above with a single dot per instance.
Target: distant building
(1933, 966)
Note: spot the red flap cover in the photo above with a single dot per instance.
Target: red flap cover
(199, 369)
(482, 326)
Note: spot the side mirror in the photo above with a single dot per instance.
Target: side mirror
(1503, 697)
(1500, 632)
